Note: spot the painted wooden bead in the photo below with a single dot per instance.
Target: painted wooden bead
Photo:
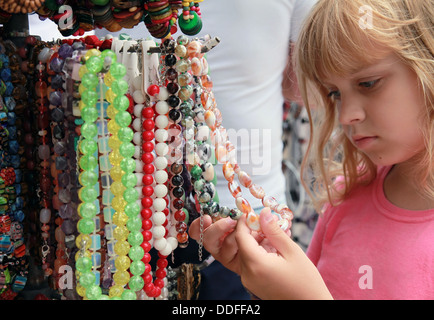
(244, 179)
(270, 202)
(221, 154)
(202, 133)
(228, 172)
(243, 205)
(253, 221)
(284, 224)
(196, 66)
(210, 119)
(234, 189)
(208, 171)
(204, 151)
(257, 191)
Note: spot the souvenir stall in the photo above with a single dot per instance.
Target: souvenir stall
(108, 149)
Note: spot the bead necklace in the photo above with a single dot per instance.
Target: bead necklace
(18, 160)
(147, 158)
(225, 154)
(131, 195)
(224, 149)
(175, 143)
(44, 155)
(89, 177)
(12, 251)
(137, 106)
(177, 128)
(121, 232)
(70, 179)
(164, 241)
(30, 127)
(59, 159)
(104, 167)
(163, 244)
(102, 250)
(124, 181)
(86, 286)
(195, 135)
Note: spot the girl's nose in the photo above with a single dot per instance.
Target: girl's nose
(351, 111)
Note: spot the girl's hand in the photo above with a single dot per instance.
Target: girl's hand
(218, 240)
(273, 267)
(286, 273)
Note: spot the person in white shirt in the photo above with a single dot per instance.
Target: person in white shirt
(251, 77)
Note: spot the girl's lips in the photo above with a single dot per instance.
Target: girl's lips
(363, 141)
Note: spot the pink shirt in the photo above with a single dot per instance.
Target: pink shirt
(367, 248)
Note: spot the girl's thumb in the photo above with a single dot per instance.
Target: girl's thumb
(272, 231)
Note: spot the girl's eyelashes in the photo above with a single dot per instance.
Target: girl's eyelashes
(369, 84)
(334, 94)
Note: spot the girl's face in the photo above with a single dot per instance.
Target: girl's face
(380, 108)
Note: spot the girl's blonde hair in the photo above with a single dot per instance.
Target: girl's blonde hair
(338, 38)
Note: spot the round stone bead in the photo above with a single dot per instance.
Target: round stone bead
(196, 172)
(235, 214)
(45, 215)
(224, 211)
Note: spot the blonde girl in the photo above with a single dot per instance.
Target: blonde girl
(365, 71)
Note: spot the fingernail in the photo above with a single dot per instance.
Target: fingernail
(231, 222)
(268, 216)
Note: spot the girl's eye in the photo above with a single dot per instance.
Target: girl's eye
(334, 94)
(368, 84)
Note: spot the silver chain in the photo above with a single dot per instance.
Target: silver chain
(201, 236)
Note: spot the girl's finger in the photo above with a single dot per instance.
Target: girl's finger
(246, 241)
(275, 235)
(213, 233)
(194, 229)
